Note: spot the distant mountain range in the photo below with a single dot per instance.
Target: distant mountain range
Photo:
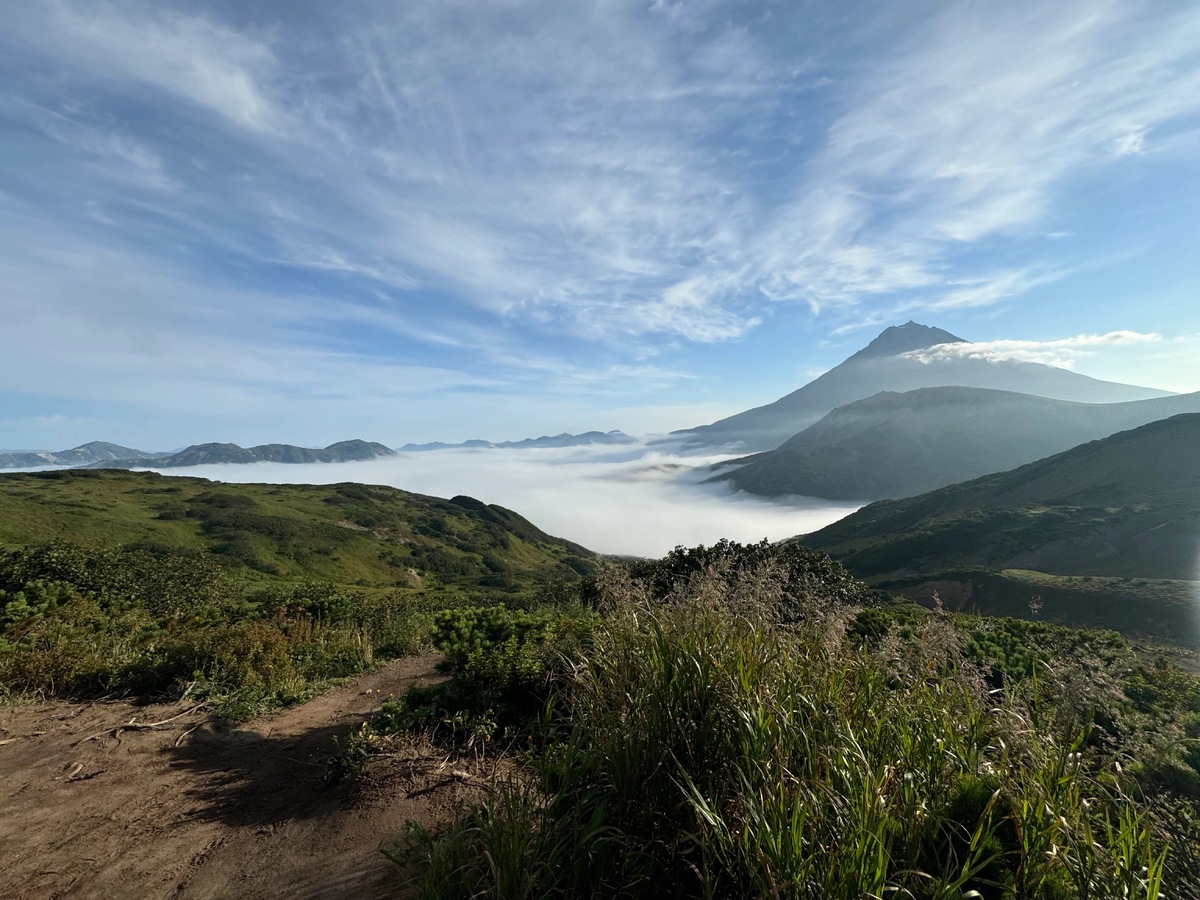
(208, 454)
(586, 439)
(1127, 505)
(904, 358)
(83, 455)
(900, 444)
(100, 455)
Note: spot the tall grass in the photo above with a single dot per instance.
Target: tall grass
(713, 752)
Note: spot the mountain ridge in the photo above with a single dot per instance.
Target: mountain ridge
(84, 454)
(901, 444)
(219, 453)
(893, 366)
(565, 439)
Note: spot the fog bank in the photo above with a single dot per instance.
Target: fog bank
(637, 501)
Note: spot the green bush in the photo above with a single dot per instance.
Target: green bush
(80, 622)
(316, 600)
(871, 624)
(504, 662)
(56, 640)
(802, 578)
(164, 583)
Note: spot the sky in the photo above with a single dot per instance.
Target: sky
(304, 222)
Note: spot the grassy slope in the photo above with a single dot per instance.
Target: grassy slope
(348, 533)
(1126, 507)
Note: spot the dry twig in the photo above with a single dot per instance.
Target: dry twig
(184, 734)
(134, 725)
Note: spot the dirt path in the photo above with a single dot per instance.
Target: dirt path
(204, 813)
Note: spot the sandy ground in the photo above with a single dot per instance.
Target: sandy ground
(186, 810)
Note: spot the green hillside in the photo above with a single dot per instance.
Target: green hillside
(1123, 508)
(1161, 608)
(352, 534)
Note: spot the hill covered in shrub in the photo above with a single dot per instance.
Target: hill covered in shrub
(364, 535)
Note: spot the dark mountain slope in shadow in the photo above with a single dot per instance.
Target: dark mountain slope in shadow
(899, 445)
(1126, 506)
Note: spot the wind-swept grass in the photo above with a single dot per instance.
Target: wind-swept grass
(713, 752)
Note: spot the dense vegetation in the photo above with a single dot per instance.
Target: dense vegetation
(744, 733)
(1157, 607)
(726, 721)
(85, 622)
(1118, 519)
(248, 594)
(367, 536)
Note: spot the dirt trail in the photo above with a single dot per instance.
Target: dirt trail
(189, 811)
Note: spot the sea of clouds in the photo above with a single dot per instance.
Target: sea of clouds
(640, 501)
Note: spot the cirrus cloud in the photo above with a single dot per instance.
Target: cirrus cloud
(544, 195)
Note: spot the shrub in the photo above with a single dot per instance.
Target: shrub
(802, 578)
(504, 663)
(80, 622)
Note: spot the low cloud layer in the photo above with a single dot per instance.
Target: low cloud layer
(638, 502)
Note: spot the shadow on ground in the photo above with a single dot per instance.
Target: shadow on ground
(246, 778)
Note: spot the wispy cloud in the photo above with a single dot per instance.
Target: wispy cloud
(180, 54)
(967, 132)
(546, 191)
(623, 172)
(986, 291)
(1062, 352)
(113, 155)
(148, 341)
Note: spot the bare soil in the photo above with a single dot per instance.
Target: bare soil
(93, 806)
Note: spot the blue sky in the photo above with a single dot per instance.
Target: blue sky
(303, 222)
